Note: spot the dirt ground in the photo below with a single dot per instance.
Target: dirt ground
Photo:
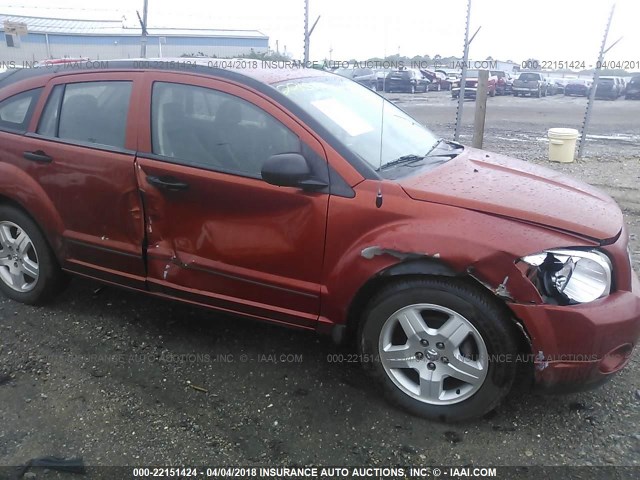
(122, 379)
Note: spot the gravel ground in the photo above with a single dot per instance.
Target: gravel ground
(122, 379)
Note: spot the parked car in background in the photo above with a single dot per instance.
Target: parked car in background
(560, 83)
(504, 82)
(364, 76)
(530, 83)
(407, 80)
(552, 88)
(450, 77)
(578, 87)
(608, 88)
(51, 62)
(623, 86)
(633, 88)
(435, 79)
(381, 76)
(471, 85)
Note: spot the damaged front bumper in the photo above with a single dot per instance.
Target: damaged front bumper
(579, 347)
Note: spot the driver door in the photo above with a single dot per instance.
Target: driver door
(217, 234)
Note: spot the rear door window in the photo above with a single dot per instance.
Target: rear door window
(88, 112)
(16, 111)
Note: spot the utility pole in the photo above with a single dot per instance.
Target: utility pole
(143, 25)
(594, 84)
(306, 32)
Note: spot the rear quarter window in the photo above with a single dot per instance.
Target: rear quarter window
(16, 111)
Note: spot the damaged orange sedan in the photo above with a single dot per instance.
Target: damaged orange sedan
(302, 198)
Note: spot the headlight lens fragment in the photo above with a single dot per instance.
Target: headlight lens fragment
(567, 276)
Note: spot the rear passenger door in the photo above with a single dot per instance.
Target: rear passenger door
(83, 152)
(217, 233)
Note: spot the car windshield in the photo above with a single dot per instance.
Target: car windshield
(527, 77)
(370, 126)
(473, 73)
(634, 81)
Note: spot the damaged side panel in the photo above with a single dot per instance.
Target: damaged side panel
(360, 246)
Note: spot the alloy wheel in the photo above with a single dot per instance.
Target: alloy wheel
(433, 354)
(19, 265)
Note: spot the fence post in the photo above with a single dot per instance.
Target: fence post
(463, 78)
(481, 108)
(594, 86)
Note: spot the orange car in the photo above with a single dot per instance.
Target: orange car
(302, 198)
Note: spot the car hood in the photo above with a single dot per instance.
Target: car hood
(500, 185)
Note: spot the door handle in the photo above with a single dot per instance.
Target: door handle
(167, 183)
(37, 156)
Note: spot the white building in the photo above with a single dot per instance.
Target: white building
(49, 38)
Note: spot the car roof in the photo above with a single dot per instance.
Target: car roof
(263, 71)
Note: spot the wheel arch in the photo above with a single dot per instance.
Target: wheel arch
(20, 190)
(421, 267)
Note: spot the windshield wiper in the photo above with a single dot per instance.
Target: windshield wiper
(403, 159)
(452, 148)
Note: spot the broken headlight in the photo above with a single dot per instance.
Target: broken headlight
(567, 276)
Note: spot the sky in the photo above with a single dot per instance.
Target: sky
(555, 30)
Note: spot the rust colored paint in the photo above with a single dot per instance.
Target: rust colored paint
(293, 257)
(503, 186)
(233, 241)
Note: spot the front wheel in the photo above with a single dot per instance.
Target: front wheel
(29, 272)
(441, 348)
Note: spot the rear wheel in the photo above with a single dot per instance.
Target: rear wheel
(441, 348)
(29, 272)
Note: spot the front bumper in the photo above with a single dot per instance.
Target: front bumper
(580, 346)
(633, 94)
(397, 86)
(469, 92)
(525, 89)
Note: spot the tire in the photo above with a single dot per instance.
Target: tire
(29, 271)
(457, 305)
(538, 93)
(515, 94)
(492, 93)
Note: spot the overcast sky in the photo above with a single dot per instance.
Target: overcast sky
(554, 30)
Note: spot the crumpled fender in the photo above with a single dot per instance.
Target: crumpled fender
(471, 243)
